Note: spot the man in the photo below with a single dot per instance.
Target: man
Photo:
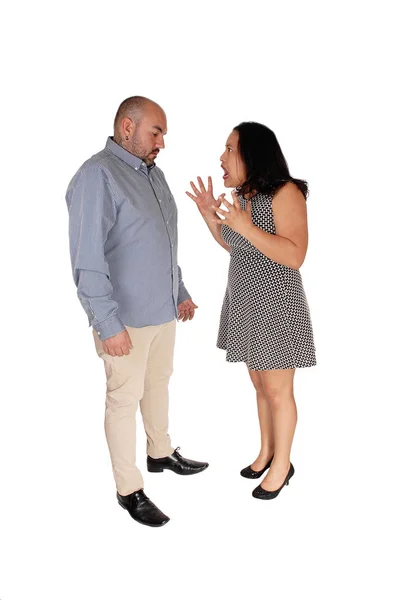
(123, 244)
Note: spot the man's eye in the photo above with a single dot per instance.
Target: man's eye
(155, 135)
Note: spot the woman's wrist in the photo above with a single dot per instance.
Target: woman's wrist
(206, 214)
(248, 231)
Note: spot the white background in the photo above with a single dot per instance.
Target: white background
(329, 79)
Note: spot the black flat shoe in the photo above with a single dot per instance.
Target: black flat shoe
(248, 472)
(263, 494)
(142, 509)
(176, 463)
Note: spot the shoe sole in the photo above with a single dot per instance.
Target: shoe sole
(143, 522)
(161, 469)
(254, 476)
(274, 497)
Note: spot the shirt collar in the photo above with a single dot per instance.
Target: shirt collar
(132, 160)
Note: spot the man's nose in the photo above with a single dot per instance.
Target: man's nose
(160, 143)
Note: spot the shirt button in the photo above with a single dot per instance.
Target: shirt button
(160, 200)
(99, 333)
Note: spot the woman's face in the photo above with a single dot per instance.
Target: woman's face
(232, 163)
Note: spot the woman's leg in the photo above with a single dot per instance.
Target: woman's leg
(266, 423)
(278, 388)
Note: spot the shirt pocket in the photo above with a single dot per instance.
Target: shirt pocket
(171, 209)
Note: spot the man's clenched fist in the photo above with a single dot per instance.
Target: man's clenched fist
(118, 345)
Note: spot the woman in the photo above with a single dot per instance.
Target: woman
(265, 320)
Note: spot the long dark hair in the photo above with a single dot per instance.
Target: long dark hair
(264, 161)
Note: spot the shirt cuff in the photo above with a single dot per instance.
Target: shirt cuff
(108, 328)
(183, 294)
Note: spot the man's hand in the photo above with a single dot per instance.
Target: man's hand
(186, 310)
(118, 345)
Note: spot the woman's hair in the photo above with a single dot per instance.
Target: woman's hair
(264, 162)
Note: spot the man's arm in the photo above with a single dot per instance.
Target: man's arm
(183, 293)
(92, 213)
(186, 306)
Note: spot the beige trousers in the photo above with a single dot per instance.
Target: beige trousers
(141, 378)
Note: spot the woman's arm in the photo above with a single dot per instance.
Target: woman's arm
(207, 206)
(215, 230)
(289, 244)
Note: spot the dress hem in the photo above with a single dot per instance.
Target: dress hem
(238, 360)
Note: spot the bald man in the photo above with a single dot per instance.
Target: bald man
(123, 245)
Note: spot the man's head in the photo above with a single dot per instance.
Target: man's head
(140, 126)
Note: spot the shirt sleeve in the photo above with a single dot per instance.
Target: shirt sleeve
(183, 293)
(92, 214)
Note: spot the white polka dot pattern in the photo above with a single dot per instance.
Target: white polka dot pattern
(265, 319)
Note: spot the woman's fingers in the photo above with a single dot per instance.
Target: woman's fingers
(210, 185)
(194, 188)
(227, 206)
(202, 187)
(220, 199)
(236, 202)
(192, 196)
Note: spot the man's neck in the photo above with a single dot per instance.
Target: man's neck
(118, 140)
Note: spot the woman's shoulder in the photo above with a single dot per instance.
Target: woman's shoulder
(280, 186)
(287, 188)
(286, 184)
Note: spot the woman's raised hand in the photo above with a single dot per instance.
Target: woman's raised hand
(204, 199)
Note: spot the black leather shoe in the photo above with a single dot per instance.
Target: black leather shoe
(176, 463)
(250, 474)
(142, 509)
(263, 494)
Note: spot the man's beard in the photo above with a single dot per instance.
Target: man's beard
(141, 153)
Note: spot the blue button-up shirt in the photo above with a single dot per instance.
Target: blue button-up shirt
(123, 242)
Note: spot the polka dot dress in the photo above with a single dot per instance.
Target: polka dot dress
(265, 320)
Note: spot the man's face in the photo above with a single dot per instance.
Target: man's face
(148, 138)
